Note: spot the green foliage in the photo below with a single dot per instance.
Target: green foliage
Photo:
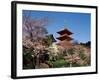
(60, 57)
(82, 55)
(59, 63)
(27, 59)
(76, 65)
(87, 44)
(71, 51)
(47, 41)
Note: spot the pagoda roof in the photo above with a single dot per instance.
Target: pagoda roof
(64, 37)
(64, 31)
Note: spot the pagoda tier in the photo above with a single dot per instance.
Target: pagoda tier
(64, 31)
(65, 44)
(64, 37)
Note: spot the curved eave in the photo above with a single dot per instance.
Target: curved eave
(64, 31)
(64, 38)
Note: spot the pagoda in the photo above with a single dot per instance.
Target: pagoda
(64, 38)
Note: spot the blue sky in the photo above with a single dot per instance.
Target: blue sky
(77, 23)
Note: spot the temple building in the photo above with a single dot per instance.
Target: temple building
(65, 38)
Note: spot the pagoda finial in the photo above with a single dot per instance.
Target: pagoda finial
(65, 24)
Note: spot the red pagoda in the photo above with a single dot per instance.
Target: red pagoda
(65, 39)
